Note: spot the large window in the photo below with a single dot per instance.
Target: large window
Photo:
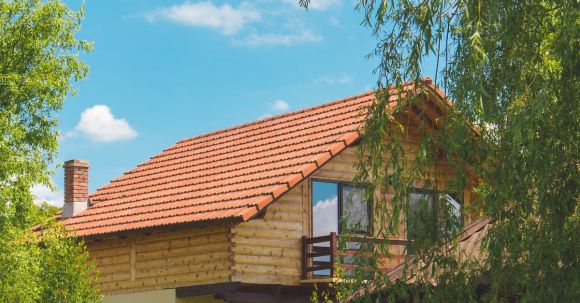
(431, 214)
(335, 204)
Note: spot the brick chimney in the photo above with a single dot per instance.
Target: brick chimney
(76, 187)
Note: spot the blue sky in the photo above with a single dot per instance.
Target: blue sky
(162, 71)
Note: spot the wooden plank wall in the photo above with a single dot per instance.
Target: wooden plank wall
(342, 168)
(268, 250)
(163, 259)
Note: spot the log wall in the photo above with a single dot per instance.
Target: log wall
(164, 259)
(268, 250)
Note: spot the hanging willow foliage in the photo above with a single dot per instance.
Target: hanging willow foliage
(511, 70)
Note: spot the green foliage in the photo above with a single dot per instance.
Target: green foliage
(512, 70)
(38, 59)
(59, 281)
(47, 268)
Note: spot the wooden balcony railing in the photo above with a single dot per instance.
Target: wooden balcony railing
(326, 248)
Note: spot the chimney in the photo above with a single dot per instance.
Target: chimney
(76, 187)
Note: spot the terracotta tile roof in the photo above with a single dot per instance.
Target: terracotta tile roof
(229, 174)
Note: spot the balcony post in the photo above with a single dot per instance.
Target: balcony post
(305, 274)
(333, 252)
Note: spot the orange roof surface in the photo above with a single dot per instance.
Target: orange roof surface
(229, 174)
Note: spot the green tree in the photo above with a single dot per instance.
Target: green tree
(511, 69)
(39, 56)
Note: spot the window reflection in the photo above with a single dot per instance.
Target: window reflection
(324, 208)
(324, 215)
(430, 215)
(355, 210)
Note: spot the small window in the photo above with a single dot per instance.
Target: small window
(426, 218)
(451, 208)
(421, 223)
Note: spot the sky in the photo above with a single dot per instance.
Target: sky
(162, 71)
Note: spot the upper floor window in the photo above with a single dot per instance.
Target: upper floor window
(338, 203)
(431, 213)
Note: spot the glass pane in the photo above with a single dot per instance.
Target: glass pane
(421, 217)
(451, 209)
(324, 216)
(355, 211)
(324, 208)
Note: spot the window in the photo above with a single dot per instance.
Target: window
(428, 214)
(355, 211)
(324, 208)
(336, 203)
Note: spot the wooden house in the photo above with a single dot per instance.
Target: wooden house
(245, 214)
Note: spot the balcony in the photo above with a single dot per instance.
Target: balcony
(320, 254)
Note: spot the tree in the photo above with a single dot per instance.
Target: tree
(511, 69)
(39, 56)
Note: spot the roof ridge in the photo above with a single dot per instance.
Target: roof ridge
(194, 156)
(268, 126)
(245, 124)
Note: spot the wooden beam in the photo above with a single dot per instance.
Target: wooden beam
(305, 252)
(333, 252)
(241, 297)
(133, 262)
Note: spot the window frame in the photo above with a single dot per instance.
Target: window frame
(435, 196)
(340, 215)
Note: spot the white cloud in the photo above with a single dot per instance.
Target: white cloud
(225, 18)
(322, 4)
(279, 105)
(326, 217)
(319, 5)
(99, 124)
(335, 79)
(42, 194)
(278, 39)
(286, 28)
(276, 106)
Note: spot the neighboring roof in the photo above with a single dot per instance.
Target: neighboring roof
(469, 248)
(230, 174)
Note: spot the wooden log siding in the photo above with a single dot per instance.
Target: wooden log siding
(342, 168)
(268, 250)
(164, 259)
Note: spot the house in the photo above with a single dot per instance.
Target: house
(237, 215)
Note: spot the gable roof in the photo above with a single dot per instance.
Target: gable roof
(231, 174)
